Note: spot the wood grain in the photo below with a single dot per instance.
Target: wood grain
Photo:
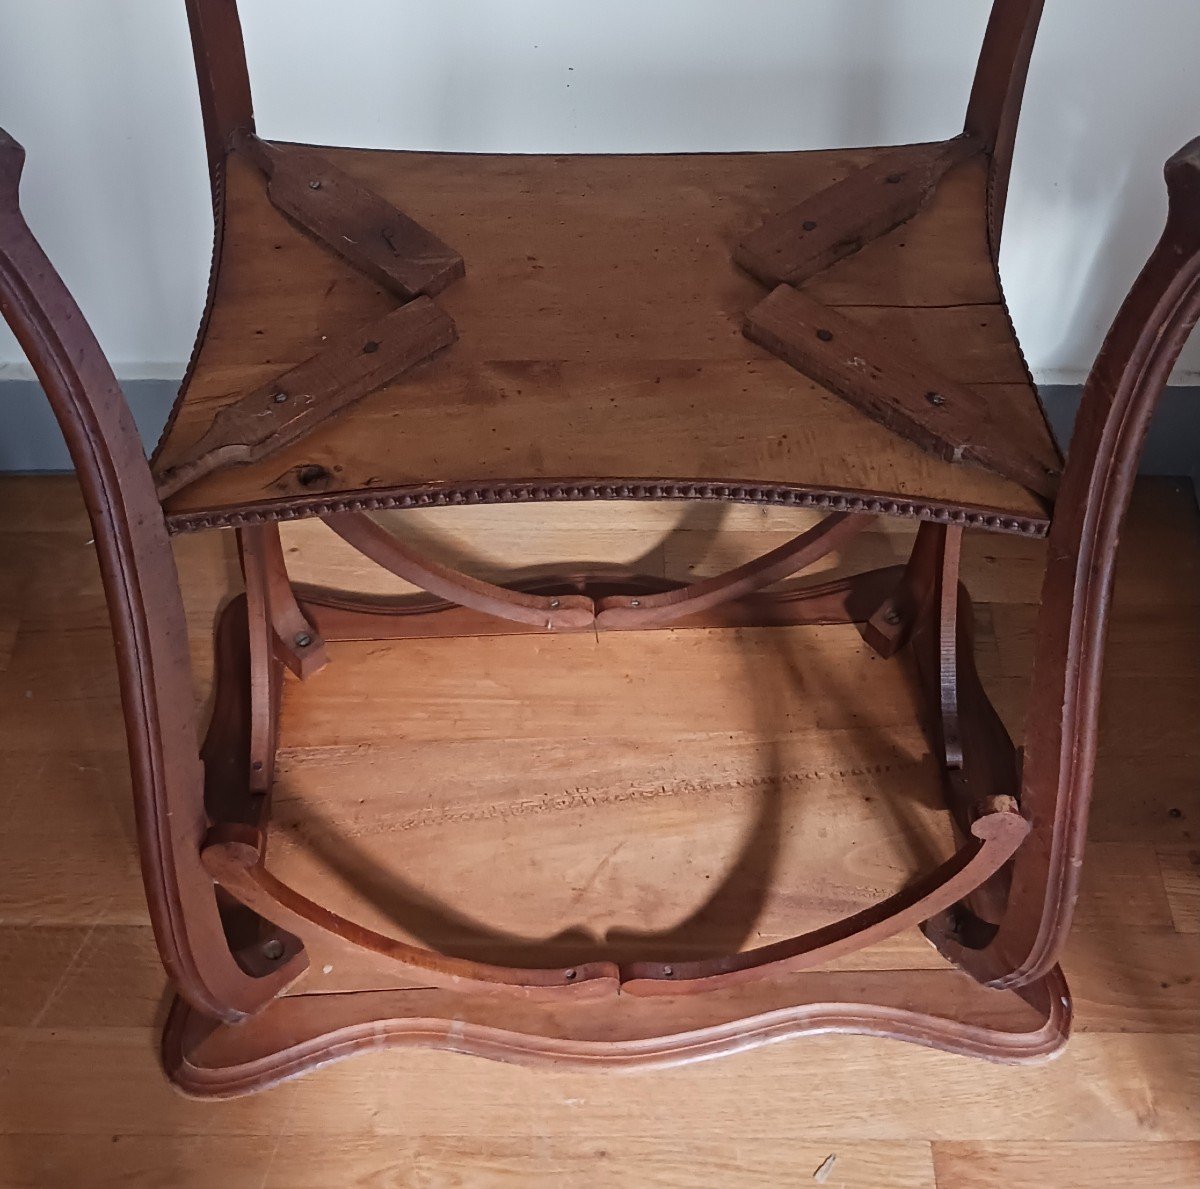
(895, 387)
(600, 330)
(293, 404)
(837, 222)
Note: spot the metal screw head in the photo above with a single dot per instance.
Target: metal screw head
(303, 640)
(273, 949)
(554, 603)
(314, 185)
(635, 602)
(280, 398)
(826, 336)
(892, 617)
(935, 398)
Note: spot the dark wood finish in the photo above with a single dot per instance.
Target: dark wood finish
(353, 222)
(292, 405)
(146, 610)
(224, 82)
(841, 220)
(1131, 372)
(996, 98)
(894, 387)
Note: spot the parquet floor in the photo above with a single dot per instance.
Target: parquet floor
(82, 1102)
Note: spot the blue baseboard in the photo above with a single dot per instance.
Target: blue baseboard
(30, 441)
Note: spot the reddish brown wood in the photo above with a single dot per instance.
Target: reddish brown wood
(265, 667)
(892, 621)
(1060, 745)
(949, 633)
(939, 1009)
(294, 404)
(339, 616)
(996, 98)
(892, 385)
(549, 613)
(233, 856)
(142, 589)
(997, 835)
(843, 219)
(297, 643)
(353, 222)
(625, 612)
(225, 102)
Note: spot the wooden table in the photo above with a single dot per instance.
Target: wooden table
(802, 333)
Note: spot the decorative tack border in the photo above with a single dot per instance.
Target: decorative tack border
(445, 495)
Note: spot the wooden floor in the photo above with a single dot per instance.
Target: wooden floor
(82, 1102)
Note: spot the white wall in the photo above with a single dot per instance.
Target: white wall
(103, 95)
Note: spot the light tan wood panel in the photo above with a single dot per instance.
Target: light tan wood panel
(1082, 1166)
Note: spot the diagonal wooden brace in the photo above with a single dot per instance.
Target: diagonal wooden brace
(843, 219)
(295, 403)
(893, 385)
(353, 222)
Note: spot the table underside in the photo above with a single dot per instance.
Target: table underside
(601, 351)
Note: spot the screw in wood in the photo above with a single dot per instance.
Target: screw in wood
(314, 185)
(303, 640)
(935, 398)
(553, 603)
(826, 336)
(280, 398)
(892, 617)
(635, 602)
(273, 949)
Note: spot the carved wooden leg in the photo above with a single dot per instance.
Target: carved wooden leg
(265, 675)
(296, 641)
(889, 628)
